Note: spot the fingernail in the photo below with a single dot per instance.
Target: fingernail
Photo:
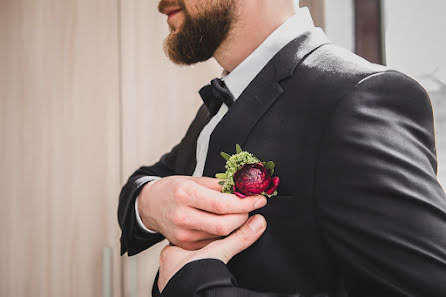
(261, 202)
(255, 224)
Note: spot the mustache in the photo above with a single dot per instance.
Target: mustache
(163, 4)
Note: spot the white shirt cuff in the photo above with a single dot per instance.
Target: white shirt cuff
(144, 179)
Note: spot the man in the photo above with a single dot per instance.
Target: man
(359, 210)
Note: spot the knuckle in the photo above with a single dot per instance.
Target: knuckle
(174, 217)
(188, 184)
(180, 194)
(192, 188)
(217, 206)
(242, 218)
(178, 218)
(182, 236)
(242, 236)
(186, 190)
(176, 234)
(224, 253)
(222, 230)
(239, 220)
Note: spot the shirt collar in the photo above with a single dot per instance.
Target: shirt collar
(247, 70)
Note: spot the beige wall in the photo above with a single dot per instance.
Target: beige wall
(86, 96)
(59, 143)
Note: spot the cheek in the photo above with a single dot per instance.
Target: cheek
(190, 5)
(194, 7)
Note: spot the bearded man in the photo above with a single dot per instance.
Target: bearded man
(359, 210)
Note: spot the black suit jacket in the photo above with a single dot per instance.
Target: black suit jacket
(360, 211)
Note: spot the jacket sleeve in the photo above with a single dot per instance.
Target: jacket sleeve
(135, 239)
(207, 278)
(380, 207)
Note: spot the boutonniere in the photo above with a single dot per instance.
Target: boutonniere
(246, 175)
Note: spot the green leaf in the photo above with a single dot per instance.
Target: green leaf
(221, 175)
(225, 155)
(270, 166)
(238, 149)
(221, 183)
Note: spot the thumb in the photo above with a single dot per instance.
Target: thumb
(241, 239)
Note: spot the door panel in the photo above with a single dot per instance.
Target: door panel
(59, 176)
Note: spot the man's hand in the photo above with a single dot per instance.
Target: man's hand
(191, 212)
(173, 258)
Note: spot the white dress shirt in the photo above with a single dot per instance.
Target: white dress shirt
(240, 78)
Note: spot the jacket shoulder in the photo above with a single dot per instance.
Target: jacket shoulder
(334, 68)
(331, 72)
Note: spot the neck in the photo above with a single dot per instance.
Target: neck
(252, 25)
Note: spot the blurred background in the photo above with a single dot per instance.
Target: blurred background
(85, 91)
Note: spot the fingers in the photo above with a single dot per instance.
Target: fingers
(214, 201)
(208, 182)
(202, 243)
(221, 225)
(241, 239)
(168, 250)
(192, 239)
(198, 235)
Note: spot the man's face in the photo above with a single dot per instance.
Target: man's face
(197, 28)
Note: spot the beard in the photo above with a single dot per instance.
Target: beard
(199, 36)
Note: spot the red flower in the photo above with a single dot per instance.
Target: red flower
(253, 179)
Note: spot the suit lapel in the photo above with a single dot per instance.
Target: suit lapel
(257, 98)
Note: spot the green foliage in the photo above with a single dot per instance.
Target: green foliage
(269, 196)
(238, 149)
(225, 155)
(270, 166)
(221, 175)
(234, 163)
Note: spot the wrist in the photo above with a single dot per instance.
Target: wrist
(143, 207)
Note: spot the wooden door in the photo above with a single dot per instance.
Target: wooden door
(60, 140)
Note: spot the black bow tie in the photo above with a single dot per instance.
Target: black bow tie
(215, 94)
